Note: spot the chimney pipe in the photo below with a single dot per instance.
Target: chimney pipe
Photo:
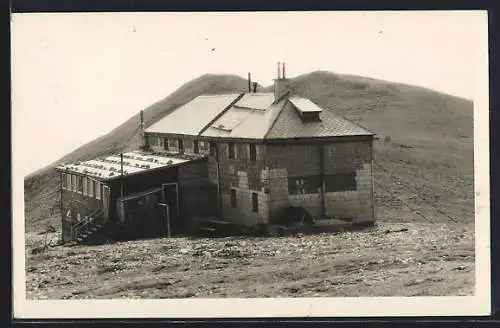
(279, 69)
(254, 87)
(141, 129)
(284, 76)
(249, 83)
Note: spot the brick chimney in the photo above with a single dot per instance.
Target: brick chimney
(281, 84)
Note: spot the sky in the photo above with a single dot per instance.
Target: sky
(76, 76)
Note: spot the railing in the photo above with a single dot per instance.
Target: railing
(79, 226)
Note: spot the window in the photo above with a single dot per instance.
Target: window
(68, 181)
(253, 152)
(255, 202)
(165, 143)
(304, 185)
(310, 117)
(63, 181)
(181, 146)
(158, 142)
(73, 183)
(80, 184)
(340, 182)
(213, 148)
(97, 190)
(84, 179)
(90, 187)
(233, 198)
(230, 147)
(196, 147)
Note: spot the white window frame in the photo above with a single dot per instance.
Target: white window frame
(73, 183)
(78, 185)
(63, 181)
(97, 190)
(90, 187)
(84, 183)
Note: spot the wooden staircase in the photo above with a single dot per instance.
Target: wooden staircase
(91, 230)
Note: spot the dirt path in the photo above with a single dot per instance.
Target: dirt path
(391, 260)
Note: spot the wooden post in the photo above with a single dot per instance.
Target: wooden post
(322, 177)
(167, 216)
(167, 208)
(121, 172)
(219, 192)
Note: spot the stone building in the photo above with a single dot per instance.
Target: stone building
(244, 158)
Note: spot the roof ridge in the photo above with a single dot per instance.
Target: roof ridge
(276, 118)
(213, 120)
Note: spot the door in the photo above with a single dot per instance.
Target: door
(170, 196)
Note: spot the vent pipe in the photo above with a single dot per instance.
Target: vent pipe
(279, 69)
(254, 87)
(249, 83)
(141, 129)
(283, 72)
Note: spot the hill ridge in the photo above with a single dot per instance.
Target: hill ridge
(426, 121)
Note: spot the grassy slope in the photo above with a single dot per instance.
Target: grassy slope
(429, 159)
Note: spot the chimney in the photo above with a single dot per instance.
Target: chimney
(249, 83)
(254, 87)
(281, 84)
(142, 137)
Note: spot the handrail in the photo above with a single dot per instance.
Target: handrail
(87, 220)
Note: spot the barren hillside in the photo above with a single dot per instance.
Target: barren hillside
(423, 243)
(424, 158)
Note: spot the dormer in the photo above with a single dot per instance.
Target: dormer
(307, 110)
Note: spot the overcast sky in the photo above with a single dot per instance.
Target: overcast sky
(77, 76)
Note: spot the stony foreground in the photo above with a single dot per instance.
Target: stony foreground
(414, 259)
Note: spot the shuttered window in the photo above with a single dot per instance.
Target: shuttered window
(97, 190)
(63, 181)
(253, 152)
(90, 187)
(340, 182)
(196, 149)
(181, 146)
(304, 185)
(84, 185)
(255, 202)
(213, 148)
(230, 147)
(73, 183)
(165, 143)
(233, 198)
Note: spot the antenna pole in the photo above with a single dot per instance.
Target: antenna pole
(121, 171)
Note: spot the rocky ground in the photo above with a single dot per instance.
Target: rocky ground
(407, 259)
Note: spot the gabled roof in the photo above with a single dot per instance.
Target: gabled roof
(192, 117)
(254, 116)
